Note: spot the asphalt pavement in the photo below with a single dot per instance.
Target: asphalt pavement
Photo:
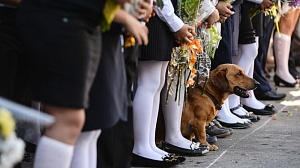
(272, 142)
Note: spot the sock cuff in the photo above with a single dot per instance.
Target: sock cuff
(55, 143)
(283, 36)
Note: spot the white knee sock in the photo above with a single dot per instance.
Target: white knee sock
(282, 53)
(226, 116)
(156, 103)
(51, 153)
(172, 115)
(149, 76)
(247, 54)
(93, 149)
(81, 157)
(252, 101)
(235, 101)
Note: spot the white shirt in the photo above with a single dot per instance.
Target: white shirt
(167, 15)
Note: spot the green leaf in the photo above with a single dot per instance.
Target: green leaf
(160, 3)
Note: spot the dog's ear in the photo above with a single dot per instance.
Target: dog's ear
(220, 80)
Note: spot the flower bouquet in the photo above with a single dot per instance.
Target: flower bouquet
(191, 61)
(11, 147)
(276, 12)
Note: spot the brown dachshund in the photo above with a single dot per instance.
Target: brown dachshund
(202, 107)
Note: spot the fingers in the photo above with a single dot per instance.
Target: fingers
(187, 39)
(142, 38)
(191, 30)
(208, 25)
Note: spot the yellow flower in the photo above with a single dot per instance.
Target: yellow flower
(7, 123)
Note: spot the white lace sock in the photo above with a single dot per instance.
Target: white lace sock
(226, 116)
(172, 115)
(156, 103)
(81, 156)
(52, 153)
(149, 83)
(282, 53)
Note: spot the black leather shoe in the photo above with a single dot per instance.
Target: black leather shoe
(216, 123)
(211, 139)
(139, 161)
(268, 110)
(200, 150)
(270, 95)
(178, 157)
(213, 130)
(252, 118)
(249, 116)
(279, 81)
(235, 125)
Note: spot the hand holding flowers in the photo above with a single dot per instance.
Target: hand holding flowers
(186, 34)
(225, 11)
(266, 5)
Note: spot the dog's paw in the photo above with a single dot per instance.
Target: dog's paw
(213, 147)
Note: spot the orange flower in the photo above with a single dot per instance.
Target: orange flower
(190, 82)
(193, 59)
(192, 76)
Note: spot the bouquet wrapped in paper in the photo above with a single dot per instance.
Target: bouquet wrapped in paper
(11, 147)
(191, 61)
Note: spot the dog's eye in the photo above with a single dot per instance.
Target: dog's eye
(240, 74)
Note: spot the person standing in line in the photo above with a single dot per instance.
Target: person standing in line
(109, 99)
(264, 90)
(172, 109)
(62, 39)
(152, 67)
(282, 44)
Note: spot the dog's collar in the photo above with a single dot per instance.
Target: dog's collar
(213, 99)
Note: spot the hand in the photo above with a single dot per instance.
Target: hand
(132, 26)
(214, 17)
(145, 10)
(266, 5)
(138, 30)
(222, 19)
(224, 9)
(186, 33)
(122, 2)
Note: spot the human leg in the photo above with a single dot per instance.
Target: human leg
(172, 110)
(247, 53)
(149, 81)
(62, 89)
(84, 156)
(227, 119)
(56, 146)
(155, 110)
(282, 44)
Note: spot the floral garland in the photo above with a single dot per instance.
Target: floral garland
(193, 58)
(11, 147)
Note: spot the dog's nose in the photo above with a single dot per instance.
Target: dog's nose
(256, 83)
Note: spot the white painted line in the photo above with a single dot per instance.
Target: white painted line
(225, 151)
